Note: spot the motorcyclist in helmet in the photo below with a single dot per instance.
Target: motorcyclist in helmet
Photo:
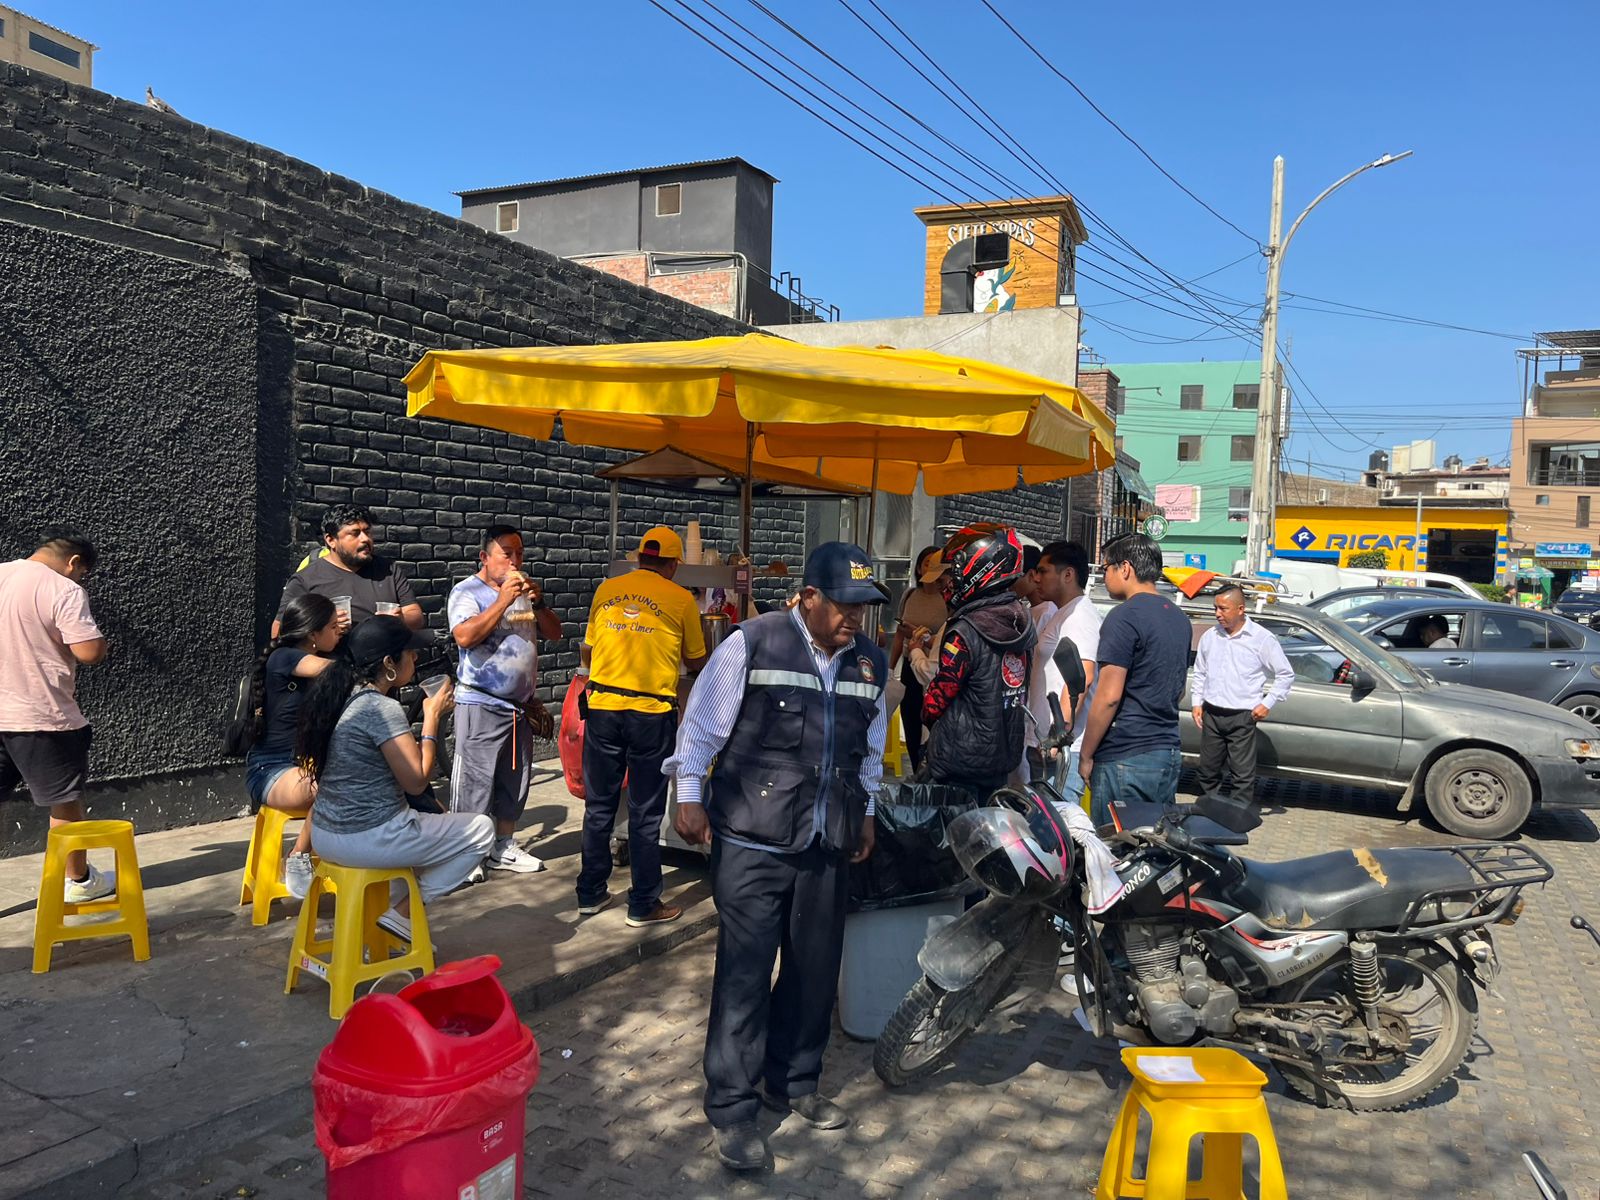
(976, 705)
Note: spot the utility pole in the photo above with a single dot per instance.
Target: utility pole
(1263, 478)
(1263, 482)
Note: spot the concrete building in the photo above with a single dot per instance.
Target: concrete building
(1555, 456)
(1475, 485)
(1462, 541)
(31, 43)
(699, 231)
(1192, 426)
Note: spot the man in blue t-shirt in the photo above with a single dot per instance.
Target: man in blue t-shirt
(497, 618)
(1130, 744)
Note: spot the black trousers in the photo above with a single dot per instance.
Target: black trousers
(911, 713)
(784, 906)
(1228, 741)
(635, 745)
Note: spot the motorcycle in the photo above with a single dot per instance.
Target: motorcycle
(1355, 972)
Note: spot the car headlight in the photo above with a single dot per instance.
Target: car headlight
(1582, 748)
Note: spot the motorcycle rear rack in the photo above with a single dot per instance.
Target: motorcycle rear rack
(1496, 868)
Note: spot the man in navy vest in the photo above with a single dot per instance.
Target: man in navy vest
(791, 708)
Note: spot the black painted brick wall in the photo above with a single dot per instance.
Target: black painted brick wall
(349, 288)
(1035, 511)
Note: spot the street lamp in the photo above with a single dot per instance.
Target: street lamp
(1264, 475)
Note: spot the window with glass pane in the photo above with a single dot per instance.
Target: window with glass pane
(1313, 659)
(507, 216)
(1246, 395)
(1238, 504)
(1510, 631)
(1243, 447)
(1583, 512)
(51, 48)
(1565, 464)
(1188, 449)
(1192, 396)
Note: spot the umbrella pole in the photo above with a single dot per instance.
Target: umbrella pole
(872, 508)
(747, 489)
(611, 544)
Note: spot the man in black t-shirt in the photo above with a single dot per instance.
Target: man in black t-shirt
(350, 566)
(1131, 742)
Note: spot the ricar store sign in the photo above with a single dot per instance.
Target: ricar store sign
(1562, 550)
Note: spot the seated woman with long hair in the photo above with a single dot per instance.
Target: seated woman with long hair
(357, 744)
(308, 633)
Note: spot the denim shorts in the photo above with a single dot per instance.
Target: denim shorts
(261, 771)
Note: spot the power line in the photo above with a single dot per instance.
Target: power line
(1104, 116)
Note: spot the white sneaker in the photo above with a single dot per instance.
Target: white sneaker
(297, 872)
(96, 886)
(476, 875)
(396, 924)
(511, 857)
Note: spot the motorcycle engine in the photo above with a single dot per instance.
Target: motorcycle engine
(1176, 993)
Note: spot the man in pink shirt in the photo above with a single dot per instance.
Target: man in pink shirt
(46, 630)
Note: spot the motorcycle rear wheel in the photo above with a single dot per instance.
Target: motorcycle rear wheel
(1440, 1006)
(931, 1022)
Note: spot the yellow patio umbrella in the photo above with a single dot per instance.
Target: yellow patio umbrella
(878, 419)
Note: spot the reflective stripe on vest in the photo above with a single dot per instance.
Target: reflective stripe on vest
(766, 678)
(868, 691)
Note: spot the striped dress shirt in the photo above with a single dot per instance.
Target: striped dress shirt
(714, 706)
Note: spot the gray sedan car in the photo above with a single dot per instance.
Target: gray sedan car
(1537, 655)
(1480, 760)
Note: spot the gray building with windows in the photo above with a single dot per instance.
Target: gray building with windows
(700, 231)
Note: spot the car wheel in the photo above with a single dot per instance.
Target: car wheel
(1478, 794)
(1587, 707)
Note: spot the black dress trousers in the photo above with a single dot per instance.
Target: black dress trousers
(788, 907)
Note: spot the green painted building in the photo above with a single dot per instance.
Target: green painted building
(1192, 426)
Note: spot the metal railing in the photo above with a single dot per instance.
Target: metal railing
(1565, 477)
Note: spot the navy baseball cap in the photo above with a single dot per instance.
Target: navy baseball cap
(843, 573)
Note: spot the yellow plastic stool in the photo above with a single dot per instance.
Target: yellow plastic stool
(1222, 1107)
(361, 948)
(894, 748)
(263, 864)
(49, 925)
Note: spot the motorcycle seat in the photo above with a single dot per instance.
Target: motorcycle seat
(1352, 889)
(1142, 814)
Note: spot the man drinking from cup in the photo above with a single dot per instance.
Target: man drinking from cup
(350, 572)
(497, 618)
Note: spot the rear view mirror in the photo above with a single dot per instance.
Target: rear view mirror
(1234, 815)
(1360, 680)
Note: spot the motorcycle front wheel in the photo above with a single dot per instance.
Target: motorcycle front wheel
(1421, 987)
(931, 1022)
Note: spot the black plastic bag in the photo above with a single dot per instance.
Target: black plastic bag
(911, 860)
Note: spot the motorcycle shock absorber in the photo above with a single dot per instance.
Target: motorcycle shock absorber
(1364, 980)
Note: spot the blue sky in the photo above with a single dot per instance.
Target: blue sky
(1491, 224)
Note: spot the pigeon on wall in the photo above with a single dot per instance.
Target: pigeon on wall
(154, 101)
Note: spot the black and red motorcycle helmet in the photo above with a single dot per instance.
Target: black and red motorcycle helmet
(981, 558)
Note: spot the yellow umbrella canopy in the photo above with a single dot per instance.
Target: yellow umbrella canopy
(853, 416)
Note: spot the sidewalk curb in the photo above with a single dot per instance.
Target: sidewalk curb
(122, 1163)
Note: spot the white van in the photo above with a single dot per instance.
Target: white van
(1303, 580)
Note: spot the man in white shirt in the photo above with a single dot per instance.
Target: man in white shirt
(1240, 672)
(1062, 572)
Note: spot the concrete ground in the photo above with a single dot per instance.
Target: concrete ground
(1027, 1108)
(111, 1069)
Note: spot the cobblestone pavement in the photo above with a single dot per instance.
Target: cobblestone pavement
(1029, 1105)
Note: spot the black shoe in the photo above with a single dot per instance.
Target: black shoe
(815, 1110)
(741, 1147)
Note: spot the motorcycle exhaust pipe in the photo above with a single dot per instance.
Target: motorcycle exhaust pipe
(1580, 923)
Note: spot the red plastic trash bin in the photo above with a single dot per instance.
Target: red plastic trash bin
(421, 1094)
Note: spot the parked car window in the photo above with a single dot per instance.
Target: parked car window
(1564, 638)
(1344, 604)
(1313, 659)
(1406, 632)
(1513, 631)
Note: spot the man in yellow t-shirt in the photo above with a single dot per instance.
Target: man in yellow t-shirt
(641, 626)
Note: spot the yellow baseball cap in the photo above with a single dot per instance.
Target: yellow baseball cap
(661, 542)
(933, 567)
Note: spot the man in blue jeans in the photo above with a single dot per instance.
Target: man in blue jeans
(1130, 744)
